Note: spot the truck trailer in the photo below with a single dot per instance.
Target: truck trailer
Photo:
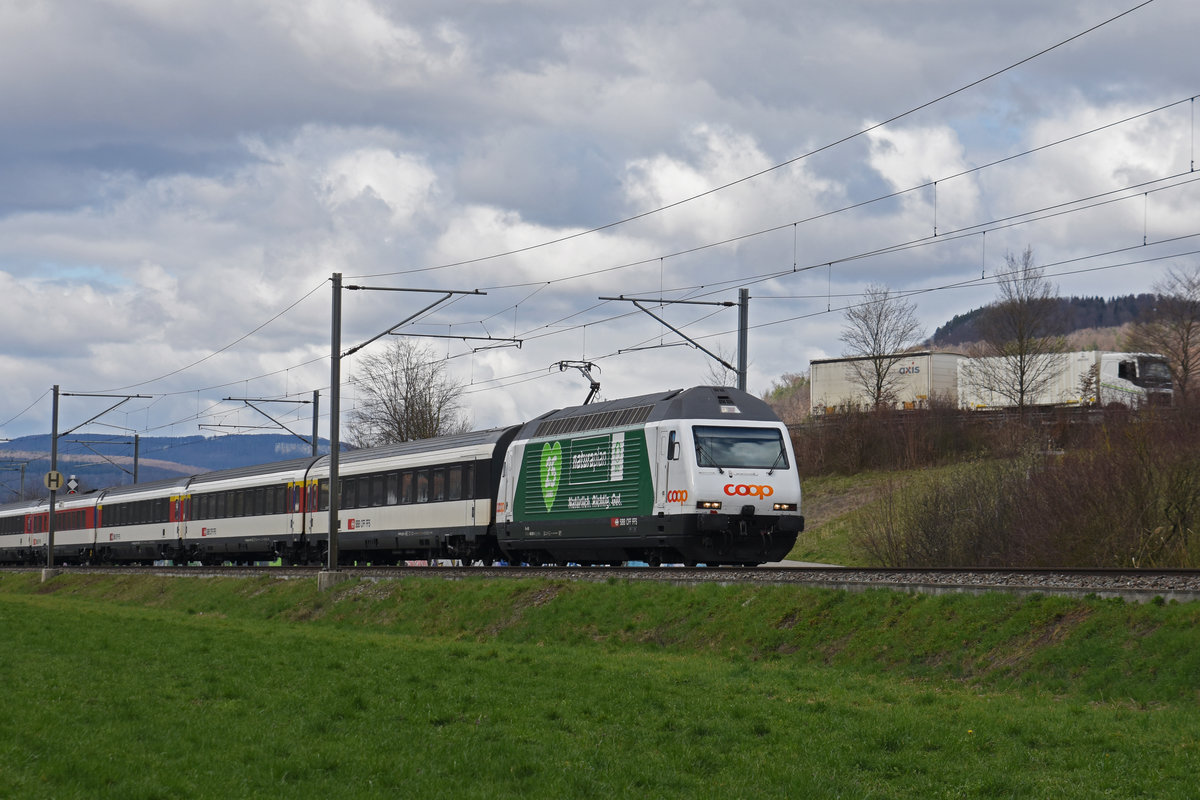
(917, 380)
(1081, 378)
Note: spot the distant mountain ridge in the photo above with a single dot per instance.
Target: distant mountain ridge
(1075, 313)
(99, 461)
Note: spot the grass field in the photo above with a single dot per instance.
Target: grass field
(130, 687)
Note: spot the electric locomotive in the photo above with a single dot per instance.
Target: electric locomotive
(700, 475)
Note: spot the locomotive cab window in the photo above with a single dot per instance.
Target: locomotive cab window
(744, 448)
(672, 447)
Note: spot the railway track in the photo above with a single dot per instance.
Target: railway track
(1131, 585)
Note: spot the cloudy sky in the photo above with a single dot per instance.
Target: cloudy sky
(180, 180)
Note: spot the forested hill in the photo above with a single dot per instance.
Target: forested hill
(1075, 313)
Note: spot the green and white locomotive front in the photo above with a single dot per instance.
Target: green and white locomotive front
(703, 475)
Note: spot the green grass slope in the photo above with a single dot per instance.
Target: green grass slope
(137, 687)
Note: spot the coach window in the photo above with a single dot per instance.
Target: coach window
(269, 500)
(406, 488)
(393, 488)
(364, 491)
(349, 492)
(439, 484)
(378, 498)
(469, 480)
(322, 494)
(475, 479)
(423, 486)
(454, 477)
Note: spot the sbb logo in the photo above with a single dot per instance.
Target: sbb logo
(748, 490)
(677, 496)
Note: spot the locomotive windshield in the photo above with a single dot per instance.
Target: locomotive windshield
(747, 448)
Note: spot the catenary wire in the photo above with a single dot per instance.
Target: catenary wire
(789, 162)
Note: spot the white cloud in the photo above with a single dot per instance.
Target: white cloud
(172, 177)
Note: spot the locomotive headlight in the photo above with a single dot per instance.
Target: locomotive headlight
(785, 506)
(709, 505)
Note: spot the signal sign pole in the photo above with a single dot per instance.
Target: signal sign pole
(54, 479)
(52, 484)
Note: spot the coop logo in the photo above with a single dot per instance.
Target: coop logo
(677, 496)
(748, 490)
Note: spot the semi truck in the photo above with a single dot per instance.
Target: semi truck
(920, 379)
(916, 380)
(1082, 378)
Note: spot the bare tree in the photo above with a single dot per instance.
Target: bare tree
(716, 373)
(789, 397)
(1173, 329)
(1017, 357)
(879, 330)
(404, 394)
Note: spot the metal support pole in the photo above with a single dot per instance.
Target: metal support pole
(335, 403)
(316, 418)
(137, 445)
(53, 468)
(743, 335)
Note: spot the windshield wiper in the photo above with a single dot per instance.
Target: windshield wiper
(703, 451)
(778, 458)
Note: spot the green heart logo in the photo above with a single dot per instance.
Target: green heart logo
(551, 471)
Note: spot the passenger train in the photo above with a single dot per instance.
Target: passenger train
(700, 475)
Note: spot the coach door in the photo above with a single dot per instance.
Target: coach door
(667, 461)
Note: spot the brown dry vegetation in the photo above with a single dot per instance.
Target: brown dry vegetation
(1062, 489)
